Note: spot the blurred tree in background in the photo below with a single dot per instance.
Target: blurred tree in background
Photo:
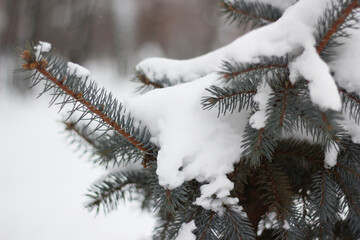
(87, 29)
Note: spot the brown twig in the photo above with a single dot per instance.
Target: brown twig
(144, 79)
(231, 8)
(40, 66)
(335, 26)
(234, 74)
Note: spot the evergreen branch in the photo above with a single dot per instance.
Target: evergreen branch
(144, 79)
(284, 101)
(240, 96)
(115, 187)
(266, 66)
(348, 169)
(336, 19)
(324, 204)
(258, 143)
(323, 126)
(206, 222)
(236, 225)
(101, 105)
(244, 12)
(352, 194)
(275, 188)
(291, 149)
(351, 104)
(246, 78)
(207, 226)
(148, 84)
(169, 200)
(108, 148)
(240, 178)
(345, 230)
(163, 225)
(81, 132)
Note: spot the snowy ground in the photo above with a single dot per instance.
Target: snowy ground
(43, 180)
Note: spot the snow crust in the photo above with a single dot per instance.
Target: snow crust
(185, 232)
(78, 70)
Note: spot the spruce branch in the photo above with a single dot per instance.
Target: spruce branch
(284, 100)
(239, 96)
(258, 143)
(148, 84)
(81, 132)
(324, 204)
(207, 223)
(236, 225)
(206, 229)
(86, 97)
(266, 66)
(323, 126)
(338, 17)
(256, 13)
(351, 199)
(161, 231)
(276, 192)
(108, 149)
(115, 187)
(351, 104)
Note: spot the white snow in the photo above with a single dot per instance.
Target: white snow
(42, 47)
(44, 184)
(286, 225)
(78, 70)
(206, 147)
(291, 34)
(346, 63)
(330, 156)
(185, 232)
(323, 90)
(258, 119)
(199, 142)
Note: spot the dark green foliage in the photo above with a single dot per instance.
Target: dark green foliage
(324, 204)
(118, 186)
(253, 13)
(238, 96)
(234, 225)
(258, 143)
(284, 188)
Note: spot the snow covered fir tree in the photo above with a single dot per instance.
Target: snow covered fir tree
(256, 140)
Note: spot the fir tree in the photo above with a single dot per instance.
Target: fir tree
(296, 175)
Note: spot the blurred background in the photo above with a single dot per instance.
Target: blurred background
(43, 181)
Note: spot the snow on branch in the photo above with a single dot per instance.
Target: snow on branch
(286, 47)
(71, 82)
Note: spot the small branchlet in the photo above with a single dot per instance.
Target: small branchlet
(253, 13)
(97, 106)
